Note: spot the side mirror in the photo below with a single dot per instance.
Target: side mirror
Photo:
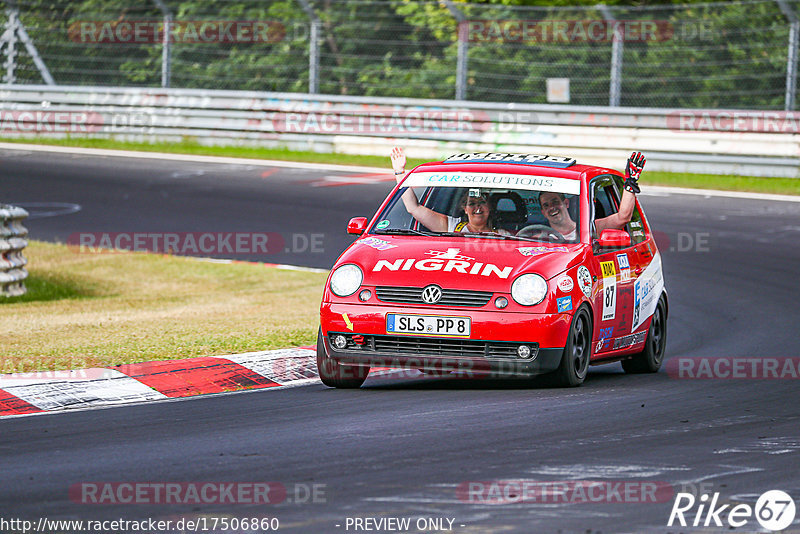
(357, 225)
(611, 238)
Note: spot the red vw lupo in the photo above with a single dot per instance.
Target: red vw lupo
(520, 300)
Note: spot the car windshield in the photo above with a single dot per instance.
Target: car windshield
(515, 212)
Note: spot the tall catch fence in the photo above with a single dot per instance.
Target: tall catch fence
(733, 55)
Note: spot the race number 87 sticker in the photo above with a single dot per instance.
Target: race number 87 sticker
(609, 289)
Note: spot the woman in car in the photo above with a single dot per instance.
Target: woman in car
(474, 203)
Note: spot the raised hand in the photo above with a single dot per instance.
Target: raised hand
(398, 158)
(633, 170)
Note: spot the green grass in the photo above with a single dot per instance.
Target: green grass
(787, 186)
(100, 309)
(49, 286)
(784, 186)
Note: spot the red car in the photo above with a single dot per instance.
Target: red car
(519, 299)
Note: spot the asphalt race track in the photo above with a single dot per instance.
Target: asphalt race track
(127, 196)
(453, 449)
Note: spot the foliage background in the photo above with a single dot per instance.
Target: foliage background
(721, 55)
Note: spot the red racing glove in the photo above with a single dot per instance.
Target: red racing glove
(633, 170)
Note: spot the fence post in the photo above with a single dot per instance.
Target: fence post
(791, 57)
(617, 43)
(166, 48)
(313, 47)
(313, 57)
(12, 241)
(463, 49)
(10, 40)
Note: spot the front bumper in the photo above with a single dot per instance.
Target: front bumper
(490, 350)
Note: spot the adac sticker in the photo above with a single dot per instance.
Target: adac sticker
(564, 304)
(585, 281)
(608, 269)
(609, 289)
(566, 284)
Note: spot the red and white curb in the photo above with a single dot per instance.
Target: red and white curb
(46, 391)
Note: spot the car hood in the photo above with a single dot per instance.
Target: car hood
(456, 262)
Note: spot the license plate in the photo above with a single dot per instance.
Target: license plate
(427, 325)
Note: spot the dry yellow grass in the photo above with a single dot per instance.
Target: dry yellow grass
(86, 310)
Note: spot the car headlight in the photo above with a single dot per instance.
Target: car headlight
(346, 280)
(529, 289)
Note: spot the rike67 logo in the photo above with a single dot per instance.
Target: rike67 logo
(774, 510)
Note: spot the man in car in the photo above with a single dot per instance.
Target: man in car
(555, 205)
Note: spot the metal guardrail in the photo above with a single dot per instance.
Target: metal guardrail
(758, 143)
(654, 54)
(12, 242)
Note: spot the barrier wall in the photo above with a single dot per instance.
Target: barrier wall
(757, 143)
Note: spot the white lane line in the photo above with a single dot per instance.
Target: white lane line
(660, 190)
(56, 208)
(193, 158)
(590, 471)
(736, 470)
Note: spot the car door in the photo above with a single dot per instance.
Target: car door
(643, 261)
(616, 267)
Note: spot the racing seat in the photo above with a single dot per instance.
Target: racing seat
(510, 211)
(599, 213)
(599, 210)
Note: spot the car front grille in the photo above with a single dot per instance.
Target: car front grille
(421, 346)
(450, 297)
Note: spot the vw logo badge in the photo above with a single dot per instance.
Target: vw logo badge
(431, 294)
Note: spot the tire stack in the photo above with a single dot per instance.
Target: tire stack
(12, 242)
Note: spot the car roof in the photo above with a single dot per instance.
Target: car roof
(574, 172)
(527, 164)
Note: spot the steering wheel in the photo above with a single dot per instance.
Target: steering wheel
(538, 229)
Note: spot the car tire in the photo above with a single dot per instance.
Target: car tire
(649, 360)
(338, 375)
(574, 364)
